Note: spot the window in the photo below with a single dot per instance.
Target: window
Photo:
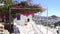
(18, 17)
(28, 19)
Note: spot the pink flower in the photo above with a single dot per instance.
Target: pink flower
(29, 13)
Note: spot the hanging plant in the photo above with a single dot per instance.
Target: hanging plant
(25, 6)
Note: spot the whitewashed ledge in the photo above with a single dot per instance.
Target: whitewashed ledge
(6, 32)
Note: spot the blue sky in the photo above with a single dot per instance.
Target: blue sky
(53, 6)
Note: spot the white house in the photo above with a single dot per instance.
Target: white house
(25, 25)
(1, 3)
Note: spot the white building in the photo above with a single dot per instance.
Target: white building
(1, 3)
(26, 25)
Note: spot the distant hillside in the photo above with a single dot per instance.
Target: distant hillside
(51, 19)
